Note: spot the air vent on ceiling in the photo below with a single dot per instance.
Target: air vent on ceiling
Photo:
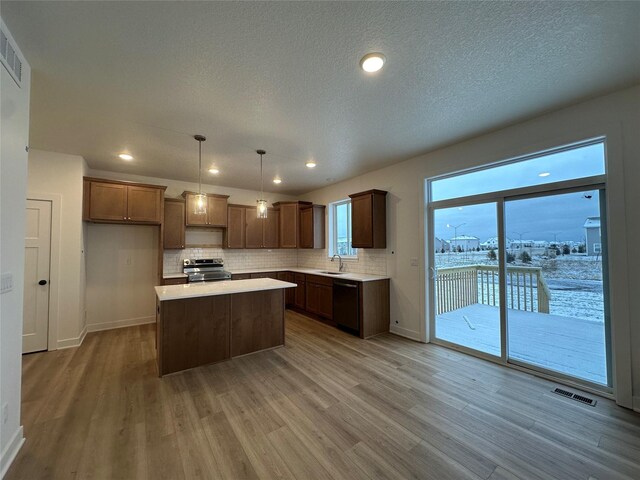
(10, 58)
(575, 396)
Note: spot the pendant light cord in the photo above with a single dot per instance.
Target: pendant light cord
(200, 167)
(261, 180)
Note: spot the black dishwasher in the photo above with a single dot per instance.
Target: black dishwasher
(346, 305)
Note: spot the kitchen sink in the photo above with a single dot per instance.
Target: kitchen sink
(333, 273)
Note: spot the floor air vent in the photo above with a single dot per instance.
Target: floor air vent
(575, 396)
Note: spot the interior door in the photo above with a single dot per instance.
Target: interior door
(36, 276)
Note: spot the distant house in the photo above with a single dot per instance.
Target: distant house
(465, 242)
(441, 245)
(519, 244)
(592, 235)
(492, 243)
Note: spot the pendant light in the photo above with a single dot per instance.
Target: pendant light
(200, 205)
(262, 203)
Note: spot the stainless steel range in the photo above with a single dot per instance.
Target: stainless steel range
(205, 270)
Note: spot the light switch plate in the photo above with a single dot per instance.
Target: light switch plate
(414, 261)
(6, 282)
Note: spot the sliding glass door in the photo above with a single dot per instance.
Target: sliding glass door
(467, 278)
(555, 287)
(518, 263)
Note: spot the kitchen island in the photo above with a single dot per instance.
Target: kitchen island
(202, 323)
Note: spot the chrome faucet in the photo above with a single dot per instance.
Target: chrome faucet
(341, 267)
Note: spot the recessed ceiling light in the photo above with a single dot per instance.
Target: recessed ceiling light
(214, 171)
(277, 180)
(544, 174)
(125, 156)
(372, 62)
(310, 164)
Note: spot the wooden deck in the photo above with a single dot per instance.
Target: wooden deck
(571, 346)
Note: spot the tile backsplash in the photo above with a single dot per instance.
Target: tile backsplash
(369, 261)
(233, 259)
(373, 262)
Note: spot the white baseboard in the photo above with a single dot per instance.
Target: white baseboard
(405, 332)
(129, 322)
(10, 451)
(73, 342)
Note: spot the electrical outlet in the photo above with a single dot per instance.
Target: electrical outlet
(129, 260)
(5, 413)
(6, 282)
(414, 261)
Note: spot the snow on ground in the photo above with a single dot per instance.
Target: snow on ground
(574, 281)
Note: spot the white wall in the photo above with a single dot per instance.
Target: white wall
(59, 176)
(122, 269)
(616, 115)
(14, 138)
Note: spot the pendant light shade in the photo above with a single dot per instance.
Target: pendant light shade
(262, 203)
(200, 205)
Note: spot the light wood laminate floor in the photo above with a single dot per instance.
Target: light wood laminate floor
(326, 406)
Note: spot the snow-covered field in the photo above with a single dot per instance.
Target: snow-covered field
(575, 281)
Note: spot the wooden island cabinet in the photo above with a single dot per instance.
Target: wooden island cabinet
(198, 324)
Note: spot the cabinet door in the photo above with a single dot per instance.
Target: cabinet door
(194, 219)
(108, 201)
(173, 235)
(235, 227)
(306, 227)
(144, 204)
(217, 211)
(289, 293)
(325, 301)
(300, 300)
(362, 221)
(271, 225)
(288, 225)
(253, 232)
(313, 297)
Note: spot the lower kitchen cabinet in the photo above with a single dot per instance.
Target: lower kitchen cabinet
(314, 294)
(290, 293)
(300, 300)
(319, 296)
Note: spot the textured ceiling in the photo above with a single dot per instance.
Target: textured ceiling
(145, 76)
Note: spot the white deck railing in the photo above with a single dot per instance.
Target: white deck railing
(458, 287)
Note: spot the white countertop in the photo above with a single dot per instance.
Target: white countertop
(358, 277)
(226, 287)
(174, 275)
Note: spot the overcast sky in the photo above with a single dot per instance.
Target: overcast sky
(536, 218)
(558, 217)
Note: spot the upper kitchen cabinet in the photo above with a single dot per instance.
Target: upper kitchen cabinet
(312, 226)
(246, 230)
(173, 234)
(216, 215)
(289, 219)
(369, 219)
(289, 228)
(235, 235)
(110, 201)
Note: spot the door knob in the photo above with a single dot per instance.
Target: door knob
(42, 282)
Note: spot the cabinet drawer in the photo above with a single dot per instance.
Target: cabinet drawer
(299, 278)
(174, 281)
(320, 280)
